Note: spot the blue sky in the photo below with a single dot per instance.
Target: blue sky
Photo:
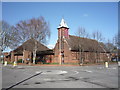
(102, 16)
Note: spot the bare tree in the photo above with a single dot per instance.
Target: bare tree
(36, 28)
(116, 40)
(110, 46)
(15, 41)
(97, 35)
(1, 40)
(6, 36)
(81, 32)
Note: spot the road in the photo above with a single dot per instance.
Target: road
(60, 76)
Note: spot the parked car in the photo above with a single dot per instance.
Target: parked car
(118, 61)
(114, 59)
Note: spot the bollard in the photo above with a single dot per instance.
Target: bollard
(106, 64)
(14, 64)
(118, 63)
(5, 64)
(81, 64)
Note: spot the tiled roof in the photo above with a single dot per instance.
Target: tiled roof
(86, 44)
(30, 45)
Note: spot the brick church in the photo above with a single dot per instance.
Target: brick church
(68, 49)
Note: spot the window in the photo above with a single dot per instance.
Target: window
(74, 55)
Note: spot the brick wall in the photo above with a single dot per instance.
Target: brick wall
(6, 57)
(74, 57)
(12, 56)
(26, 55)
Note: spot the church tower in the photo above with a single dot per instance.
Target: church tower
(63, 30)
(62, 34)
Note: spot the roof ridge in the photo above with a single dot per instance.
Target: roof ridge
(31, 40)
(37, 42)
(83, 38)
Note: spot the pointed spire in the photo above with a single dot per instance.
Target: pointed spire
(63, 24)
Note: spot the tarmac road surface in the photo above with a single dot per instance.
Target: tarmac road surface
(60, 76)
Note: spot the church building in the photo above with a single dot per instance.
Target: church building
(68, 49)
(73, 49)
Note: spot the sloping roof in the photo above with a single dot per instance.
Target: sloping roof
(63, 24)
(86, 44)
(30, 45)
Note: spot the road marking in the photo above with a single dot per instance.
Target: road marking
(76, 72)
(63, 72)
(49, 79)
(37, 72)
(88, 71)
(53, 72)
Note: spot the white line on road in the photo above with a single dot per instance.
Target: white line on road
(49, 79)
(53, 72)
(76, 72)
(88, 71)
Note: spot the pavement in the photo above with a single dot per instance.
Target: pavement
(97, 76)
